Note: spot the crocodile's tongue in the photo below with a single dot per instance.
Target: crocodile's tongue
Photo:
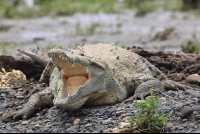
(72, 84)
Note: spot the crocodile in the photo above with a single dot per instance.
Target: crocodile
(93, 75)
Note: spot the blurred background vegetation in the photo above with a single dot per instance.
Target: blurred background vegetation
(19, 9)
(16, 9)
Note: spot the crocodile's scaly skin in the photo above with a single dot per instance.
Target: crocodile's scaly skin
(114, 74)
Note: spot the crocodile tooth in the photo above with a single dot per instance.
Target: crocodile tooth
(59, 56)
(68, 94)
(87, 70)
(73, 65)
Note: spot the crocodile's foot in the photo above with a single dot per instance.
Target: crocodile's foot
(145, 89)
(14, 115)
(172, 85)
(24, 113)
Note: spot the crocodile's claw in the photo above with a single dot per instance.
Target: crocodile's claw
(14, 115)
(172, 85)
(24, 113)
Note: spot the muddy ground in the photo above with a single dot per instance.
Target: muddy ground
(176, 65)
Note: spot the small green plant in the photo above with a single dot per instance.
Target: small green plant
(149, 119)
(191, 46)
(190, 4)
(163, 35)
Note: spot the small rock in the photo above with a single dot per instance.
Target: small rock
(184, 120)
(1, 113)
(5, 105)
(20, 97)
(25, 122)
(67, 125)
(193, 78)
(190, 125)
(29, 131)
(163, 103)
(171, 98)
(181, 97)
(71, 129)
(88, 125)
(37, 126)
(76, 122)
(162, 98)
(107, 122)
(3, 94)
(169, 125)
(180, 128)
(4, 91)
(20, 89)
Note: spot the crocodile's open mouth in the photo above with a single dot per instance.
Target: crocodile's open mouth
(74, 75)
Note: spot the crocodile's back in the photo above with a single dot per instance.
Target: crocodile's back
(119, 60)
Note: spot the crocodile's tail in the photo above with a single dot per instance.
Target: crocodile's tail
(37, 54)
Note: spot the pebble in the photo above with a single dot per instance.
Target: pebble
(105, 117)
(38, 126)
(181, 97)
(88, 125)
(20, 89)
(71, 129)
(29, 131)
(5, 105)
(76, 122)
(194, 78)
(3, 94)
(20, 97)
(25, 122)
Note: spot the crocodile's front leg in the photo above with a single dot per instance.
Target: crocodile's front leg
(141, 85)
(36, 100)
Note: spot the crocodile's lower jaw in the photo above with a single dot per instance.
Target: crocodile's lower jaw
(76, 105)
(73, 76)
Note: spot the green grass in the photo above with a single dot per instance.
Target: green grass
(57, 7)
(68, 7)
(164, 34)
(191, 45)
(5, 48)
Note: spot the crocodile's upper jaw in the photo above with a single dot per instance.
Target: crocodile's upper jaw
(77, 78)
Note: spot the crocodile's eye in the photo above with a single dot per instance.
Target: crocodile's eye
(82, 54)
